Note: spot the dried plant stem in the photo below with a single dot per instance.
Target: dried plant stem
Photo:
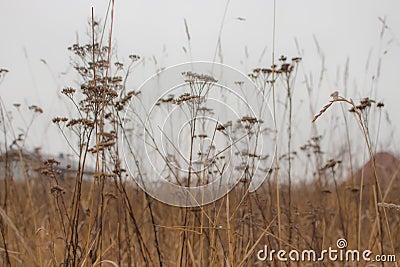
(278, 205)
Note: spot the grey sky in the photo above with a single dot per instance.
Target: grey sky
(43, 29)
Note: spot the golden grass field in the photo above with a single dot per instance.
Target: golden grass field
(89, 212)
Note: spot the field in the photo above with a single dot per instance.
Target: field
(272, 188)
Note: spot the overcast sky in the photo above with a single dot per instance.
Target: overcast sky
(34, 32)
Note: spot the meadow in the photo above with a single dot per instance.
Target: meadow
(91, 209)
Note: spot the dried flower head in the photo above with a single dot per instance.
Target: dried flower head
(186, 97)
(331, 164)
(59, 119)
(57, 189)
(51, 161)
(134, 57)
(69, 91)
(36, 109)
(196, 77)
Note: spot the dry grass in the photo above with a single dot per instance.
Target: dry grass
(226, 232)
(56, 215)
